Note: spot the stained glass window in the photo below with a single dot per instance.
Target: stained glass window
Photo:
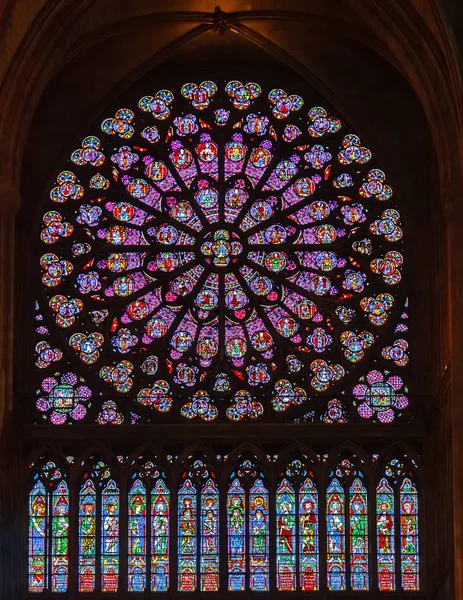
(397, 527)
(347, 528)
(248, 529)
(110, 538)
(385, 540)
(48, 529)
(258, 534)
(99, 531)
(187, 537)
(160, 540)
(336, 536)
(237, 539)
(209, 537)
(87, 537)
(358, 506)
(297, 527)
(308, 536)
(148, 528)
(286, 536)
(137, 537)
(224, 253)
(409, 535)
(37, 537)
(293, 543)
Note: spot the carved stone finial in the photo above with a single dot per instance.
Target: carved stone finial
(220, 21)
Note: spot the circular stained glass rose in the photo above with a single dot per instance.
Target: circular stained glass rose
(235, 256)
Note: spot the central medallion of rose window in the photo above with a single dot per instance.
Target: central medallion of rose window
(221, 247)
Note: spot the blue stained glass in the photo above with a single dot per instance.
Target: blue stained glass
(409, 557)
(187, 537)
(209, 537)
(308, 536)
(336, 537)
(236, 521)
(137, 538)
(286, 537)
(110, 538)
(358, 536)
(160, 538)
(60, 538)
(87, 537)
(37, 537)
(258, 537)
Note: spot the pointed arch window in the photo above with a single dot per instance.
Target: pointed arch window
(48, 529)
(198, 528)
(347, 528)
(397, 527)
(137, 535)
(148, 528)
(248, 529)
(297, 528)
(99, 514)
(409, 560)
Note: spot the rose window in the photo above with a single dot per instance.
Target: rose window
(223, 255)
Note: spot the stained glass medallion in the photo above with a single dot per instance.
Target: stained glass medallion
(221, 253)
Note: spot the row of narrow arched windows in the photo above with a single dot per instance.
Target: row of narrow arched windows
(346, 535)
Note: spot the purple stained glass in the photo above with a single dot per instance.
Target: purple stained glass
(223, 239)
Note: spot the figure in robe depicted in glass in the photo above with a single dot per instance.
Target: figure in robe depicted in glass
(385, 540)
(37, 537)
(286, 537)
(87, 537)
(60, 534)
(308, 536)
(110, 538)
(209, 537)
(409, 536)
(160, 502)
(336, 558)
(258, 529)
(187, 537)
(236, 536)
(358, 536)
(137, 537)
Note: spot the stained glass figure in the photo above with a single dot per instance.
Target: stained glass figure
(209, 560)
(60, 538)
(258, 537)
(178, 239)
(308, 536)
(236, 522)
(409, 558)
(160, 536)
(336, 536)
(187, 537)
(110, 538)
(37, 537)
(385, 536)
(358, 536)
(136, 576)
(87, 537)
(286, 536)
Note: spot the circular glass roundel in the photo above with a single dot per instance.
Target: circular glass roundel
(236, 246)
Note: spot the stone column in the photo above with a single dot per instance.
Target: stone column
(453, 208)
(9, 206)
(10, 504)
